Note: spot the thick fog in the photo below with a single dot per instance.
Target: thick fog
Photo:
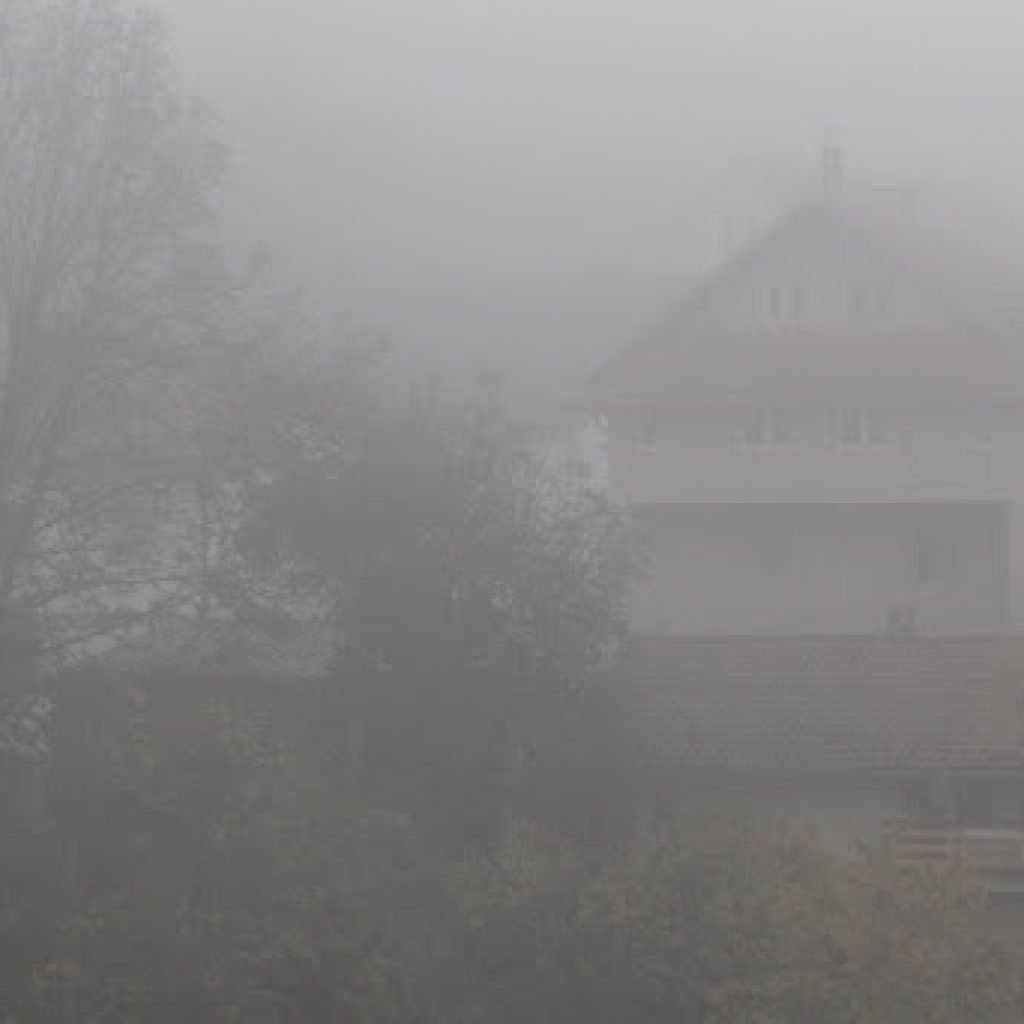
(523, 185)
(336, 686)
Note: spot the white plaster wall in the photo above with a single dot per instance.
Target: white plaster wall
(821, 569)
(928, 455)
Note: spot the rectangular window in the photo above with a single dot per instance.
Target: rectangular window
(797, 303)
(868, 302)
(940, 799)
(786, 304)
(767, 430)
(850, 432)
(772, 545)
(645, 433)
(858, 428)
(931, 560)
(974, 802)
(756, 431)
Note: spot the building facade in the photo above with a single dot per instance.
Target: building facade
(822, 451)
(827, 437)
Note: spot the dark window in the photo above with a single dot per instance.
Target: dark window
(773, 545)
(856, 303)
(797, 303)
(647, 433)
(873, 430)
(939, 799)
(786, 304)
(860, 428)
(755, 432)
(850, 428)
(931, 800)
(766, 428)
(930, 560)
(869, 302)
(781, 428)
(974, 802)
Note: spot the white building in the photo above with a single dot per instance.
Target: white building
(827, 436)
(823, 449)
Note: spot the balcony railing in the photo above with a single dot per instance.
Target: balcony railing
(989, 851)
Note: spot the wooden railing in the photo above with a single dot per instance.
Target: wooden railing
(998, 850)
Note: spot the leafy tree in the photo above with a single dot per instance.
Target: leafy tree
(203, 864)
(472, 590)
(716, 922)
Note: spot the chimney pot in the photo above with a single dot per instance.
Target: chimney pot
(833, 169)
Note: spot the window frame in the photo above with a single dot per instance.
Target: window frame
(869, 432)
(868, 302)
(931, 561)
(645, 432)
(774, 430)
(786, 304)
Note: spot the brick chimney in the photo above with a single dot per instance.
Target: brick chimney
(833, 169)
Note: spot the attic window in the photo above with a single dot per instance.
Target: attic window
(786, 304)
(869, 302)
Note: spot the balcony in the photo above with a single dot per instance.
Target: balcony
(996, 853)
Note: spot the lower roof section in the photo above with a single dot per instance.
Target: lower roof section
(828, 705)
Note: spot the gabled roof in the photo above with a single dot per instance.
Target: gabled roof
(830, 705)
(686, 362)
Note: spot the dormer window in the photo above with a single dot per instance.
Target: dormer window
(786, 304)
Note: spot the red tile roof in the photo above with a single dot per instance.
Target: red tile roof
(687, 363)
(830, 705)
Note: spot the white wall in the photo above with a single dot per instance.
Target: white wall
(822, 569)
(700, 455)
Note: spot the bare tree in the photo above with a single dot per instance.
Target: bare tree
(110, 272)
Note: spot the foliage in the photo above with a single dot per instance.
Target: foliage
(202, 861)
(473, 591)
(714, 921)
(437, 532)
(226, 848)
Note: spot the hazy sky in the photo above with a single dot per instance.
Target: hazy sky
(511, 176)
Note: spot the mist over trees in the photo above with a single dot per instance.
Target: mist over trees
(110, 272)
(310, 707)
